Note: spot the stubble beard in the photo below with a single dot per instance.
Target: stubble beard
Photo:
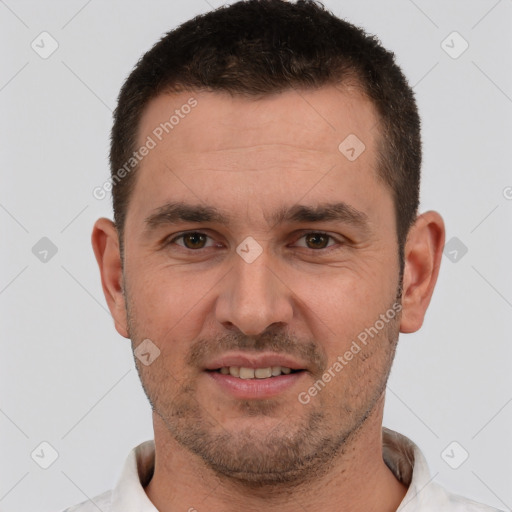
(293, 452)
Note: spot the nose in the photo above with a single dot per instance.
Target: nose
(253, 297)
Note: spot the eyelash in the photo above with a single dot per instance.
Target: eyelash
(324, 250)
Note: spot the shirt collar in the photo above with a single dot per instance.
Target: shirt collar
(129, 493)
(409, 466)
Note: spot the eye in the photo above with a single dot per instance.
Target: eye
(196, 240)
(316, 240)
(191, 240)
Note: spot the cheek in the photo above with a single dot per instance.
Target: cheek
(169, 307)
(160, 293)
(344, 301)
(357, 373)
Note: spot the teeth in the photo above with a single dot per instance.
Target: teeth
(255, 373)
(276, 370)
(246, 373)
(263, 373)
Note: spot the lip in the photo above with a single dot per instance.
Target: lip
(260, 360)
(253, 389)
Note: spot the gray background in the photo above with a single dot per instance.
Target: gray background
(69, 379)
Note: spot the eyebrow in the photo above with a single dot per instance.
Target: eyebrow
(176, 212)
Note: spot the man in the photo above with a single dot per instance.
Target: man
(266, 253)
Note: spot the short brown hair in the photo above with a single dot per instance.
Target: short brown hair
(256, 48)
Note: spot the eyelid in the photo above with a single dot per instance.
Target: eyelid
(339, 240)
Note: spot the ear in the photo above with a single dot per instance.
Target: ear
(422, 254)
(105, 242)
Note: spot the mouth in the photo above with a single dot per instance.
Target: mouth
(256, 376)
(244, 372)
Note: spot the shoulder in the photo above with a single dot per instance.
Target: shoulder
(101, 502)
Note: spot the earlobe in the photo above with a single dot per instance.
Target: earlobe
(105, 243)
(422, 254)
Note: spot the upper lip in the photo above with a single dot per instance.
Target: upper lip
(261, 360)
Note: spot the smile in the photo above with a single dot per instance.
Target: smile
(243, 372)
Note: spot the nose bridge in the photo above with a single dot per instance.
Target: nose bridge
(252, 297)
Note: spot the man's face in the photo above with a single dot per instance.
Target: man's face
(263, 288)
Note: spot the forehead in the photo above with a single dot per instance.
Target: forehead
(311, 120)
(251, 154)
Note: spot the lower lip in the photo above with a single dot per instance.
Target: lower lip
(256, 388)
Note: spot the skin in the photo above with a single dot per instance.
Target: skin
(249, 158)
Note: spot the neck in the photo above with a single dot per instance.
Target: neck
(358, 479)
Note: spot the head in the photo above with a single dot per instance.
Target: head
(265, 165)
(234, 50)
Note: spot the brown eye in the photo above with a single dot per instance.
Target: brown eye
(317, 240)
(194, 240)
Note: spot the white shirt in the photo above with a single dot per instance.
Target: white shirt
(401, 455)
